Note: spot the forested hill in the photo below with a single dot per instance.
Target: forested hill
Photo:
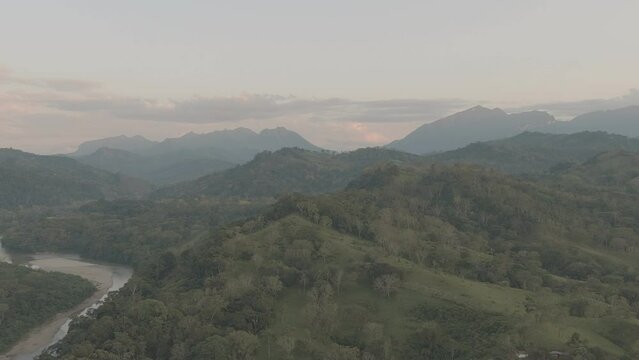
(615, 170)
(534, 152)
(408, 262)
(287, 170)
(28, 179)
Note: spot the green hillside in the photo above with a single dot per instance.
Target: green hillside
(407, 263)
(534, 152)
(616, 170)
(28, 179)
(287, 170)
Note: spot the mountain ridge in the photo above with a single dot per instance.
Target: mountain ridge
(30, 179)
(537, 152)
(189, 156)
(475, 124)
(286, 170)
(480, 124)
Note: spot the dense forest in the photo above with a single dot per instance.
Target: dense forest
(30, 180)
(122, 231)
(408, 262)
(535, 152)
(29, 297)
(287, 170)
(319, 180)
(371, 254)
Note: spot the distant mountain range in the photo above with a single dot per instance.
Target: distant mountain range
(187, 157)
(29, 180)
(193, 155)
(295, 170)
(134, 144)
(472, 125)
(482, 124)
(623, 121)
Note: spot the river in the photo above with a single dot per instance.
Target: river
(106, 277)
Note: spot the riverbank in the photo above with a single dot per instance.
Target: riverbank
(42, 337)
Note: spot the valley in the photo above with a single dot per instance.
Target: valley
(518, 245)
(106, 278)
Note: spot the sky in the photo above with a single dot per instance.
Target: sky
(344, 74)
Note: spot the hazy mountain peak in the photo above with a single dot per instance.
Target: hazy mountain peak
(279, 129)
(465, 127)
(110, 152)
(239, 131)
(623, 121)
(479, 109)
(474, 114)
(191, 155)
(122, 142)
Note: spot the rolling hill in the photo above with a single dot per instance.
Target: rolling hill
(133, 144)
(408, 262)
(287, 170)
(613, 170)
(27, 179)
(533, 152)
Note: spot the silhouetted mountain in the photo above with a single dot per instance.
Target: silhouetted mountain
(284, 171)
(28, 179)
(190, 156)
(533, 152)
(239, 142)
(624, 121)
(134, 144)
(469, 126)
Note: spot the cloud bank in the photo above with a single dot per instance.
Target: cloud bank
(202, 110)
(54, 115)
(568, 110)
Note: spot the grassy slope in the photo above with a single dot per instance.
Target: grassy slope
(422, 285)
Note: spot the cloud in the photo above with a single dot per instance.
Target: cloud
(250, 107)
(398, 110)
(573, 108)
(51, 115)
(10, 79)
(83, 97)
(199, 110)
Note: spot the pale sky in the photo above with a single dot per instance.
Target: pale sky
(342, 73)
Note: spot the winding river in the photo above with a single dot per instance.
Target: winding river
(106, 277)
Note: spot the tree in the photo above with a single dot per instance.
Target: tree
(241, 345)
(3, 310)
(287, 344)
(387, 284)
(339, 275)
(272, 285)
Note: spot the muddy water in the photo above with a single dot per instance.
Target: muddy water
(106, 277)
